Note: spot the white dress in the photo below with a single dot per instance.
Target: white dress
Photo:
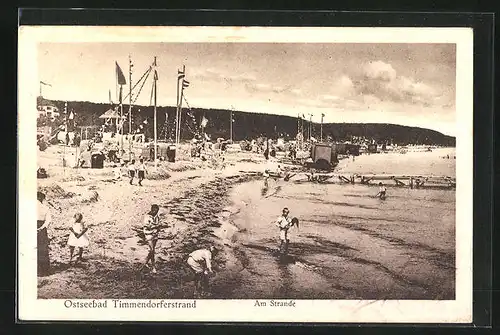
(81, 242)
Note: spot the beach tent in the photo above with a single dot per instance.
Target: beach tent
(112, 116)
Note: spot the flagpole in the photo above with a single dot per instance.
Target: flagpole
(231, 127)
(321, 129)
(310, 126)
(155, 131)
(121, 119)
(130, 108)
(116, 87)
(180, 102)
(180, 113)
(177, 112)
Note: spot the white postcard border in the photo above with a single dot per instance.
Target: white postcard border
(456, 311)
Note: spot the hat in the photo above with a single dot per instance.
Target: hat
(154, 209)
(40, 196)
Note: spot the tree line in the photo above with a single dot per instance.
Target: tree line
(247, 125)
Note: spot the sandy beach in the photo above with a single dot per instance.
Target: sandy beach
(349, 244)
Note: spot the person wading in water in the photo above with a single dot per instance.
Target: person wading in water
(43, 221)
(381, 191)
(200, 261)
(284, 223)
(151, 230)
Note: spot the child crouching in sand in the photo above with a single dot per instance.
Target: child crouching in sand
(77, 237)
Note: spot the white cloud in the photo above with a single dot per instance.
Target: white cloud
(380, 71)
(328, 97)
(213, 74)
(380, 81)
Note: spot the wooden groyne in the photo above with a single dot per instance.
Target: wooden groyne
(410, 181)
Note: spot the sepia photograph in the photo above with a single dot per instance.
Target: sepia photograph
(271, 172)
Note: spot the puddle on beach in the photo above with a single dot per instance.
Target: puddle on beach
(349, 244)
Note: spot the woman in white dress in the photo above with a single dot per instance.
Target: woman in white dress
(77, 237)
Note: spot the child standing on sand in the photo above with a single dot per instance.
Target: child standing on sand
(117, 172)
(77, 237)
(141, 171)
(131, 170)
(151, 231)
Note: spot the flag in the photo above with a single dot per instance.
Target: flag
(322, 115)
(41, 82)
(156, 75)
(120, 76)
(110, 100)
(120, 98)
(185, 84)
(204, 122)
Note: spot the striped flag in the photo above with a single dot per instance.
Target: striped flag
(180, 74)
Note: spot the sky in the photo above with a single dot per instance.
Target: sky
(406, 84)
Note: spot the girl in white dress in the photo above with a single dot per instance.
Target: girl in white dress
(77, 237)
